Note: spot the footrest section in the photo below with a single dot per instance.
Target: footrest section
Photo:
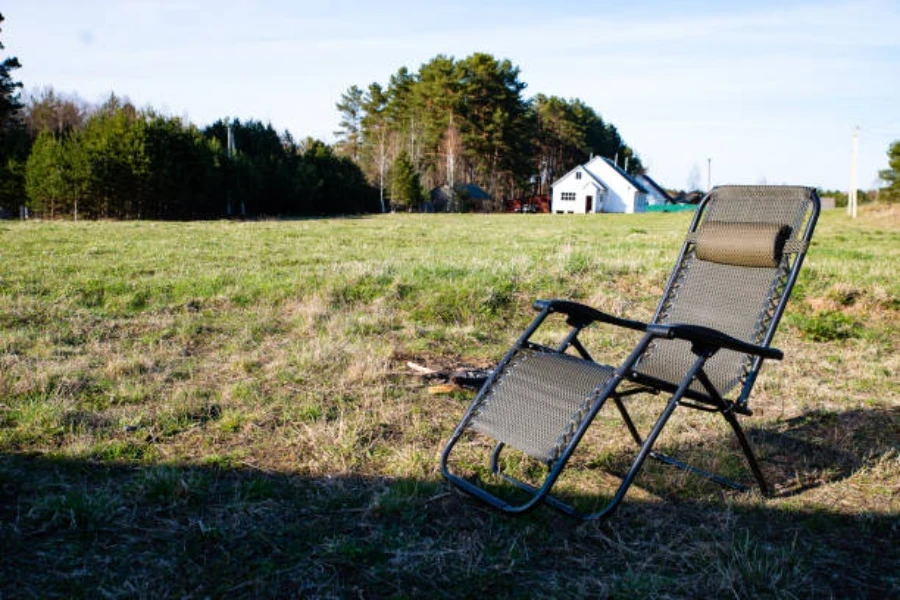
(538, 401)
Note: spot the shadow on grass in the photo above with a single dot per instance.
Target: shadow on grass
(796, 455)
(822, 447)
(76, 528)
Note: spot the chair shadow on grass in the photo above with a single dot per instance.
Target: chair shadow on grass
(796, 455)
(821, 447)
(83, 527)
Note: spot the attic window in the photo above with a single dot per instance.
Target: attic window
(578, 175)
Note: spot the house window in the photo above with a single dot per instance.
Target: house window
(578, 175)
(567, 196)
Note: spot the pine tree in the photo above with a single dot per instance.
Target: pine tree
(891, 175)
(57, 176)
(350, 108)
(15, 142)
(10, 103)
(406, 184)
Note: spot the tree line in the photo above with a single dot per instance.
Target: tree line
(123, 163)
(62, 157)
(114, 161)
(467, 121)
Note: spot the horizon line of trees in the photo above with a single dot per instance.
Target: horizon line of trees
(115, 161)
(460, 121)
(60, 156)
(466, 121)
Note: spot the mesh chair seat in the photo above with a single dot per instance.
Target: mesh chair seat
(740, 298)
(538, 401)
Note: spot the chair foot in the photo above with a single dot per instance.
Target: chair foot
(549, 498)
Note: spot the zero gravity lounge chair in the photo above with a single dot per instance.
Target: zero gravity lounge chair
(703, 348)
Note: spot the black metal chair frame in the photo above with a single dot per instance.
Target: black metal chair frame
(705, 342)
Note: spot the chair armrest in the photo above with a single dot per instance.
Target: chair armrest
(581, 315)
(712, 337)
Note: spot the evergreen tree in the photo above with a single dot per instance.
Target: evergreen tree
(406, 184)
(350, 107)
(183, 178)
(258, 179)
(436, 96)
(891, 175)
(43, 175)
(14, 142)
(15, 146)
(57, 176)
(374, 129)
(328, 184)
(113, 141)
(9, 90)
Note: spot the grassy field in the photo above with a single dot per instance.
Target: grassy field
(223, 409)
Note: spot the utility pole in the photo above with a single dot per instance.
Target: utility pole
(851, 195)
(708, 174)
(381, 170)
(229, 151)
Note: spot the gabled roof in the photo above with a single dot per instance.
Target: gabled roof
(622, 173)
(581, 168)
(596, 179)
(647, 181)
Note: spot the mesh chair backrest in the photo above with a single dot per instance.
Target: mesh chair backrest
(732, 276)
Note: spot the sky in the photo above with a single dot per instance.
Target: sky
(761, 92)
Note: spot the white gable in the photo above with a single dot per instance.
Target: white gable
(578, 191)
(579, 176)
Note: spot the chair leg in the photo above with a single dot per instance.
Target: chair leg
(647, 446)
(645, 451)
(534, 491)
(723, 481)
(628, 422)
(538, 494)
(748, 451)
(672, 461)
(639, 460)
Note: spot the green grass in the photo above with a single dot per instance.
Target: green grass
(223, 409)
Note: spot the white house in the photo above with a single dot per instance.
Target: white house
(597, 186)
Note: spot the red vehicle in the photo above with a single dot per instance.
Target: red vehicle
(531, 204)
